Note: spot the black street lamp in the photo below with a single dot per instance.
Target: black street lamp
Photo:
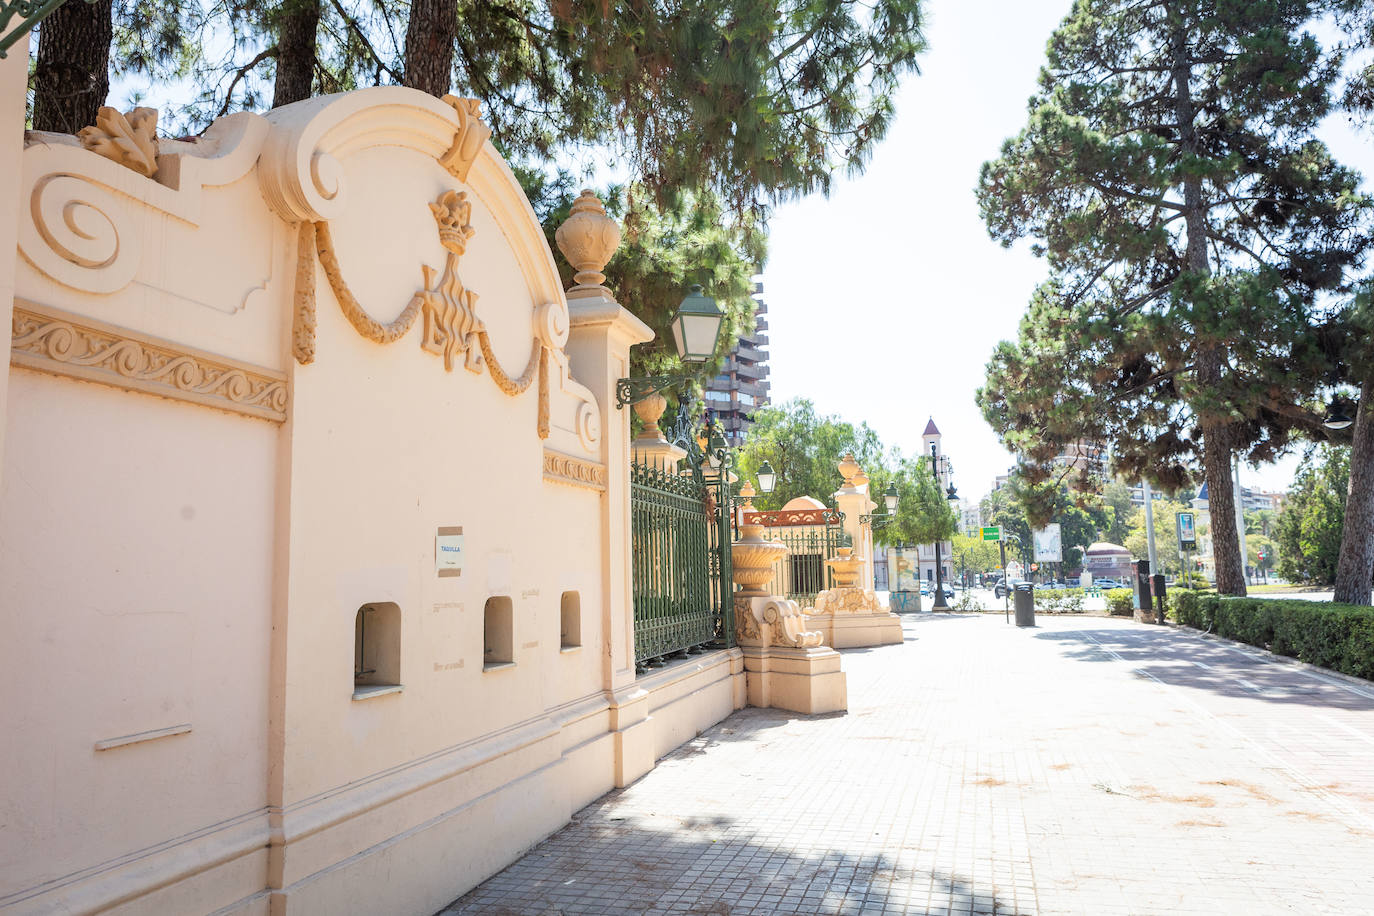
(878, 520)
(1336, 417)
(937, 461)
(696, 327)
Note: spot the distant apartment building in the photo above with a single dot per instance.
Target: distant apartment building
(970, 515)
(742, 386)
(1084, 455)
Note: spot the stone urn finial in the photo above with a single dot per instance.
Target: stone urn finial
(848, 467)
(845, 567)
(588, 238)
(747, 494)
(649, 411)
(752, 557)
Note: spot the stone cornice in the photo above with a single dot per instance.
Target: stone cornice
(50, 340)
(576, 472)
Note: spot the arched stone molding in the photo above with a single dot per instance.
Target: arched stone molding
(83, 216)
(303, 180)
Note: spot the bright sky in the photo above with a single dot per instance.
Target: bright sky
(886, 299)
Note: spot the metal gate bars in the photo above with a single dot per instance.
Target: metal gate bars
(680, 573)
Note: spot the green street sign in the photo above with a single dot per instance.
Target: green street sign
(992, 534)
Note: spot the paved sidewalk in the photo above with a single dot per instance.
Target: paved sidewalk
(1089, 765)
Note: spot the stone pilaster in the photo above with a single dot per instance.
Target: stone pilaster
(599, 342)
(14, 73)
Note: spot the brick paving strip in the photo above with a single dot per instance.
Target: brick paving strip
(1089, 765)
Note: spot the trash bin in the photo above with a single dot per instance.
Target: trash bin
(1023, 597)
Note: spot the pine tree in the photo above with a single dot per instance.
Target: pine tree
(1191, 224)
(297, 25)
(72, 74)
(1355, 565)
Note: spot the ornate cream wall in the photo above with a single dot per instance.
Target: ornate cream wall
(254, 378)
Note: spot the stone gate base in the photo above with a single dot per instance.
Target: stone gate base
(785, 665)
(852, 618)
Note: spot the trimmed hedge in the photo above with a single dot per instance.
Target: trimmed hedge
(1335, 636)
(1059, 600)
(1120, 601)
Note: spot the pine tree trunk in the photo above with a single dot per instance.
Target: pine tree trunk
(1355, 568)
(72, 75)
(1221, 509)
(296, 36)
(430, 37)
(1216, 439)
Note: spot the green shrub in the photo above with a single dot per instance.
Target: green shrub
(1335, 636)
(1059, 600)
(1120, 601)
(1183, 608)
(968, 603)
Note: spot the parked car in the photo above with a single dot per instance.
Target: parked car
(925, 589)
(1107, 583)
(1000, 590)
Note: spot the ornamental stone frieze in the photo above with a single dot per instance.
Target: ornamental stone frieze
(246, 219)
(49, 340)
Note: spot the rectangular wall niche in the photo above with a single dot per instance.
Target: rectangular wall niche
(498, 636)
(570, 614)
(376, 650)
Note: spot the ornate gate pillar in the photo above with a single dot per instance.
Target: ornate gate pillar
(598, 348)
(853, 500)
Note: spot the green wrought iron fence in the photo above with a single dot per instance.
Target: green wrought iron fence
(801, 573)
(680, 573)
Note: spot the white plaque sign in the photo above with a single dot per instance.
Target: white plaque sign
(448, 552)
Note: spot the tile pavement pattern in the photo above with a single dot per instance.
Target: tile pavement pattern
(1089, 765)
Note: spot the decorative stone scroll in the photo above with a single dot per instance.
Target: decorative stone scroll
(560, 468)
(128, 139)
(468, 139)
(50, 340)
(85, 211)
(772, 621)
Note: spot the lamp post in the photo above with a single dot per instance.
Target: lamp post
(768, 478)
(879, 520)
(696, 334)
(1336, 417)
(938, 461)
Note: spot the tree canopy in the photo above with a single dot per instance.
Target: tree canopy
(804, 448)
(1308, 530)
(1192, 225)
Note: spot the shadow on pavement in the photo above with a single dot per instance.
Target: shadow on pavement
(602, 863)
(1186, 661)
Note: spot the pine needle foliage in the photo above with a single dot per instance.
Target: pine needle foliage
(1193, 227)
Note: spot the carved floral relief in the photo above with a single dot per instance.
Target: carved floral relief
(50, 340)
(129, 139)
